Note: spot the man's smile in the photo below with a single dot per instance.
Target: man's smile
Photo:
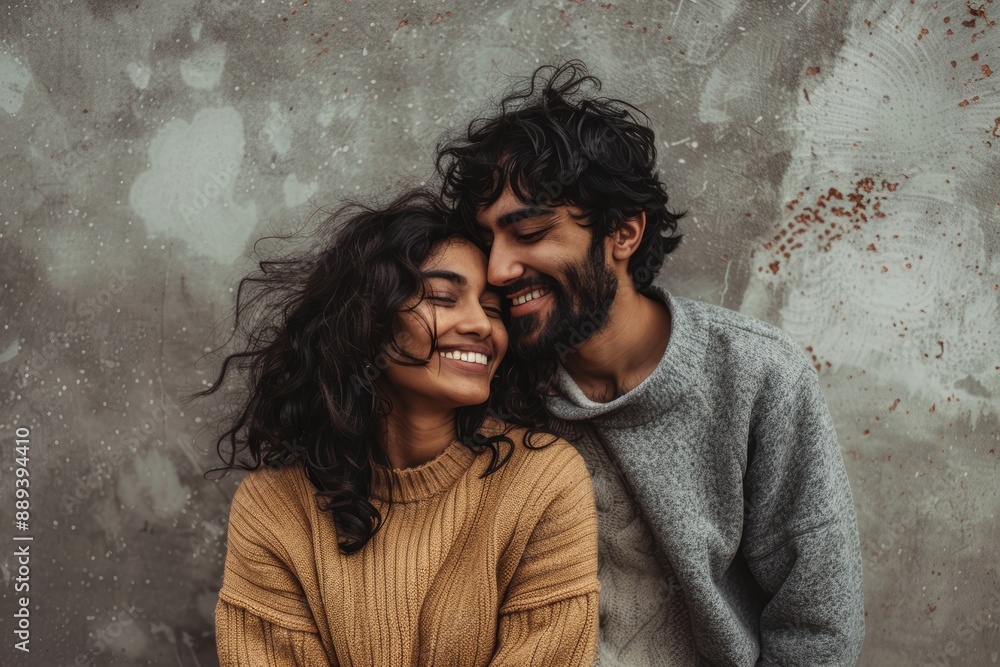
(527, 300)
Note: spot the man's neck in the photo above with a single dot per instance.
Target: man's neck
(625, 352)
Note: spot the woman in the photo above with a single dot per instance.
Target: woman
(397, 519)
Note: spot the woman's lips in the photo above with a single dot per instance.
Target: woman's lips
(475, 362)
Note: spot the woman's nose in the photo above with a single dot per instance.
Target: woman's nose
(475, 321)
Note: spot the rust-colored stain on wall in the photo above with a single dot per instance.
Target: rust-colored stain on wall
(840, 157)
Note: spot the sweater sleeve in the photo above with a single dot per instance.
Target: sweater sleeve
(244, 639)
(802, 541)
(561, 633)
(263, 617)
(549, 615)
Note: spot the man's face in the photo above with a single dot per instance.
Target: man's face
(560, 287)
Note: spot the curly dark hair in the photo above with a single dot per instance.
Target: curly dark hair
(322, 328)
(554, 145)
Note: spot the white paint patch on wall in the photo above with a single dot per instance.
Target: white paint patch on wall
(73, 266)
(153, 487)
(730, 94)
(138, 74)
(14, 80)
(913, 307)
(155, 21)
(11, 351)
(343, 117)
(719, 92)
(277, 129)
(297, 192)
(204, 69)
(902, 277)
(187, 193)
(325, 116)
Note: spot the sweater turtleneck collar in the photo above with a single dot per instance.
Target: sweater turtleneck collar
(425, 480)
(672, 377)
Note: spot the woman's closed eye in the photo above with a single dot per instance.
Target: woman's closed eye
(492, 309)
(443, 299)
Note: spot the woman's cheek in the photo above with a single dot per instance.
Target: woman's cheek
(500, 336)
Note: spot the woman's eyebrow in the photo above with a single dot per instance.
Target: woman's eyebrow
(490, 289)
(450, 276)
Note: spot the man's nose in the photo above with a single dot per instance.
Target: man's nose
(504, 266)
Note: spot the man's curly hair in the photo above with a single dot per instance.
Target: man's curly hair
(554, 145)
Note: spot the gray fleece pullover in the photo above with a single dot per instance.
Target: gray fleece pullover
(729, 451)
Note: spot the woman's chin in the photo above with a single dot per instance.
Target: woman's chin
(467, 398)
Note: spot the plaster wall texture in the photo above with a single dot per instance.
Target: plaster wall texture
(839, 162)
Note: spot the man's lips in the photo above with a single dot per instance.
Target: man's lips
(528, 301)
(526, 294)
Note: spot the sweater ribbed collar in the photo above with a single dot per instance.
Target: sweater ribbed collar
(425, 480)
(674, 375)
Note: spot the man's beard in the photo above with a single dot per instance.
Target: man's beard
(577, 316)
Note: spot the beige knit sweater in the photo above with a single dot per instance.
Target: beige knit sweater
(465, 571)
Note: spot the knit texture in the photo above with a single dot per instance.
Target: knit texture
(465, 571)
(729, 451)
(643, 616)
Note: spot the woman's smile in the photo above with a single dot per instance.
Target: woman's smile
(473, 359)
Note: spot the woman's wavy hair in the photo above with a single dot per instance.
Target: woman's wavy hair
(554, 145)
(322, 329)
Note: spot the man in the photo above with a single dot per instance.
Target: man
(728, 534)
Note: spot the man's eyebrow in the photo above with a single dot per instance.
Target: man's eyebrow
(508, 219)
(447, 275)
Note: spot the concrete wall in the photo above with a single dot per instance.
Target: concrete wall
(838, 161)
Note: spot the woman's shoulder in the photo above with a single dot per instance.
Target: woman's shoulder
(273, 494)
(547, 485)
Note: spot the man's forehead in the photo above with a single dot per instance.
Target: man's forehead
(487, 215)
(508, 210)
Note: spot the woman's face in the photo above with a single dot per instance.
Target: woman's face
(471, 338)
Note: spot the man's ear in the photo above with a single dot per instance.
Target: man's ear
(626, 239)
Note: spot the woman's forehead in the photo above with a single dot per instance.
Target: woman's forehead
(458, 255)
(461, 263)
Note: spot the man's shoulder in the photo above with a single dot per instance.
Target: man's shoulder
(722, 321)
(744, 343)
